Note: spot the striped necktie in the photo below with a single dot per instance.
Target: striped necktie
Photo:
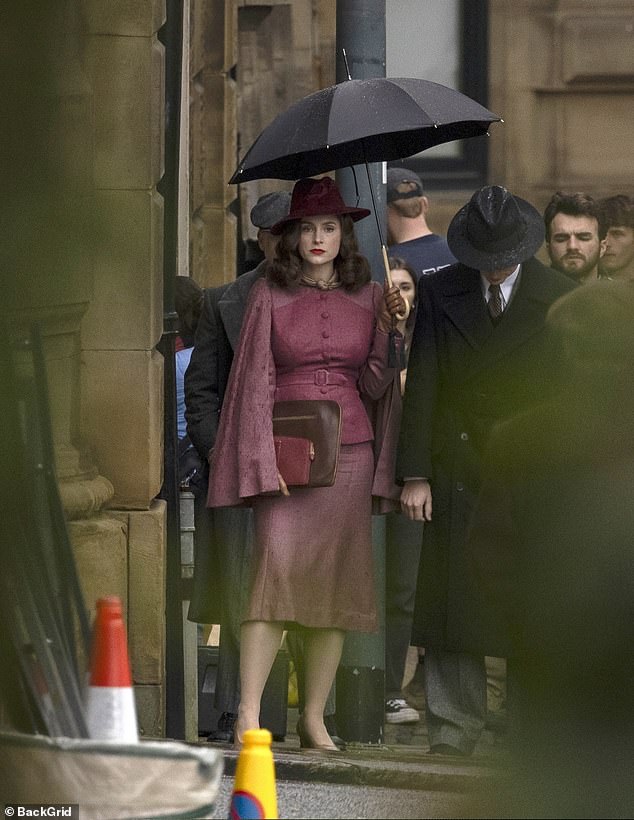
(495, 302)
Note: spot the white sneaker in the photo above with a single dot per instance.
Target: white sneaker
(398, 710)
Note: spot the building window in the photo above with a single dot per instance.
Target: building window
(444, 41)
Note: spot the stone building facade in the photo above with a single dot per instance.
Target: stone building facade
(87, 221)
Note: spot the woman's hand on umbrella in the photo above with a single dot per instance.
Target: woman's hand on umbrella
(393, 305)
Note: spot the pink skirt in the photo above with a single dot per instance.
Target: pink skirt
(313, 562)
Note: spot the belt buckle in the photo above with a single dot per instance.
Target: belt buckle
(321, 377)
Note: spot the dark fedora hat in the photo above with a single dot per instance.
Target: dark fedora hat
(317, 197)
(495, 230)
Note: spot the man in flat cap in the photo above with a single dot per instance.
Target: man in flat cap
(223, 536)
(479, 353)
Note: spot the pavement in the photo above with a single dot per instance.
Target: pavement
(402, 761)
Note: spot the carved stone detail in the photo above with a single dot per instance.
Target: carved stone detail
(85, 497)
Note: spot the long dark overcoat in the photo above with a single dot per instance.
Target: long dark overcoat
(465, 374)
(205, 384)
(552, 560)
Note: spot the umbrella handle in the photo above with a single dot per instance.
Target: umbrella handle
(388, 276)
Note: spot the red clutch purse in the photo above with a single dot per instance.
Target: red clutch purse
(309, 432)
(294, 457)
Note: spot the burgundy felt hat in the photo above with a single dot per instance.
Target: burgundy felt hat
(317, 197)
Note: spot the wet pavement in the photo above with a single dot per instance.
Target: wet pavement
(401, 762)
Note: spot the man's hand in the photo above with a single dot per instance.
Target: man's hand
(416, 500)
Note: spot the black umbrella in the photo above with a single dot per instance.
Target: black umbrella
(356, 122)
(359, 121)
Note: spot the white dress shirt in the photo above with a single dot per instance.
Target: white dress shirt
(507, 287)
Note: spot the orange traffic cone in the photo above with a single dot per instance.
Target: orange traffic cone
(110, 707)
(254, 792)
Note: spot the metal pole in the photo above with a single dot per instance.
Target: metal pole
(361, 32)
(171, 36)
(361, 676)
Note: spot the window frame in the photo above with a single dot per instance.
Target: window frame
(468, 170)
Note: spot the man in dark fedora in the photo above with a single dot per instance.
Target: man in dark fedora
(479, 354)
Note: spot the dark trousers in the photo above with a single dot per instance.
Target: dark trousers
(223, 542)
(403, 546)
(455, 698)
(234, 536)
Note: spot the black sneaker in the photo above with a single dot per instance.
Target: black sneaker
(224, 731)
(398, 710)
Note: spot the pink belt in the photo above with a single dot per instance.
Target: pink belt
(321, 377)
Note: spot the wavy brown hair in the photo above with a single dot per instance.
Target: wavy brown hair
(352, 268)
(577, 204)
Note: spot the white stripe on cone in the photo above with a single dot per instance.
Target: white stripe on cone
(111, 713)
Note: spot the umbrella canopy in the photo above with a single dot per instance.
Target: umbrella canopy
(358, 121)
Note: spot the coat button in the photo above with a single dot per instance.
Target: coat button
(325, 334)
(325, 315)
(460, 486)
(464, 436)
(323, 390)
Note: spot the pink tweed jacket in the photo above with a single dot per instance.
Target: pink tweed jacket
(303, 343)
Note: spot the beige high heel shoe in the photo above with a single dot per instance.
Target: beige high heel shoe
(238, 734)
(306, 742)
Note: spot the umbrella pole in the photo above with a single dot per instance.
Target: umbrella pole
(386, 264)
(395, 356)
(388, 275)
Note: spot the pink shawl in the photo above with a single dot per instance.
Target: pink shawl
(243, 460)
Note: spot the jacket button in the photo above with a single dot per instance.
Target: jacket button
(464, 436)
(325, 315)
(323, 390)
(460, 486)
(325, 334)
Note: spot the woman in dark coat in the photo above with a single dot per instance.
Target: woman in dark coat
(316, 328)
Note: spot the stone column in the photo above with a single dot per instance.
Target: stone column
(121, 371)
(213, 51)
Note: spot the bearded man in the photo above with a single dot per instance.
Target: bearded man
(575, 235)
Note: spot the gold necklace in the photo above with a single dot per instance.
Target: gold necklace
(329, 284)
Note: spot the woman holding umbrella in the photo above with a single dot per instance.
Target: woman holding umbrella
(316, 327)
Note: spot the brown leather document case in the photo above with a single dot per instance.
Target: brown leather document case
(319, 422)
